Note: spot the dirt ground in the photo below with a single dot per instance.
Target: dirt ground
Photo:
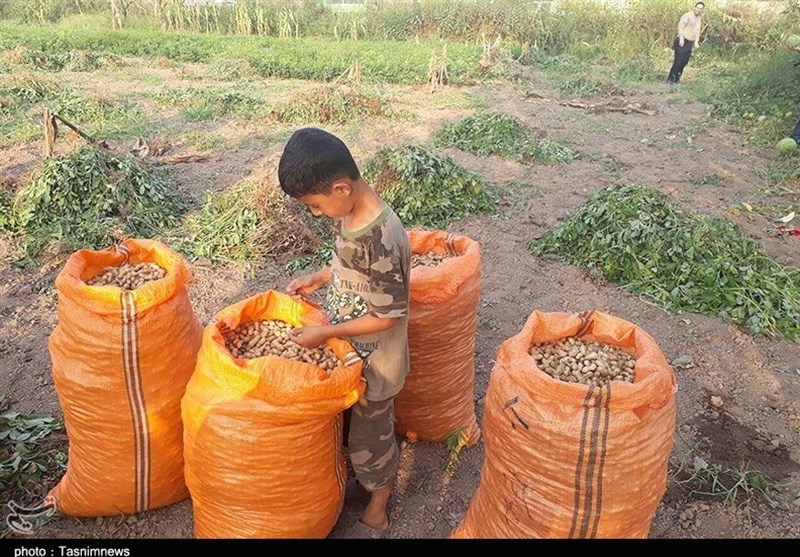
(757, 379)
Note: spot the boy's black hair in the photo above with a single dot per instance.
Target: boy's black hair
(312, 161)
(699, 4)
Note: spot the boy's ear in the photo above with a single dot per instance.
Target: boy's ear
(342, 187)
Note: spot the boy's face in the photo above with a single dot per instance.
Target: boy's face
(335, 205)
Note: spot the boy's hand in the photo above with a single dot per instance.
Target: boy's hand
(306, 285)
(309, 337)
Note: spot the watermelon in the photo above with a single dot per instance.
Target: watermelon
(786, 145)
(793, 40)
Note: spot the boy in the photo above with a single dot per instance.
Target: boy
(368, 299)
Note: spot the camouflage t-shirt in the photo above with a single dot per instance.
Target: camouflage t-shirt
(370, 275)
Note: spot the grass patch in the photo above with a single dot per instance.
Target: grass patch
(781, 178)
(318, 59)
(760, 94)
(426, 188)
(581, 85)
(69, 61)
(448, 98)
(494, 133)
(90, 199)
(24, 97)
(202, 141)
(639, 69)
(637, 238)
(197, 105)
(230, 70)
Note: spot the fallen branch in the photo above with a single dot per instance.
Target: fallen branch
(51, 131)
(625, 108)
(180, 159)
(532, 95)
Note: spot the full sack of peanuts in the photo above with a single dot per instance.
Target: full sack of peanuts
(263, 423)
(578, 428)
(437, 402)
(122, 353)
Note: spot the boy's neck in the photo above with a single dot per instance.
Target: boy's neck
(367, 206)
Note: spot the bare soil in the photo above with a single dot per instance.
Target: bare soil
(757, 378)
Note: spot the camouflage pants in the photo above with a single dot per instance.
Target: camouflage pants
(371, 441)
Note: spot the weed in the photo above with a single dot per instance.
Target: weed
(731, 484)
(455, 442)
(639, 69)
(204, 141)
(580, 86)
(712, 179)
(761, 95)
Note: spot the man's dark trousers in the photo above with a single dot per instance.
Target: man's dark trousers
(682, 55)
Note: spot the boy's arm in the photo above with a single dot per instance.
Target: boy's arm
(307, 284)
(313, 336)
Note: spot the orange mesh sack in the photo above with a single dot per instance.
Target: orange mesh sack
(569, 460)
(121, 360)
(263, 436)
(438, 398)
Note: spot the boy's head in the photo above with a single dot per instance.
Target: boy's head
(699, 7)
(312, 161)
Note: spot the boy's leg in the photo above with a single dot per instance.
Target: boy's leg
(374, 455)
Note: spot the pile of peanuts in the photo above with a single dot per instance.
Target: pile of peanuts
(576, 360)
(128, 277)
(270, 337)
(429, 259)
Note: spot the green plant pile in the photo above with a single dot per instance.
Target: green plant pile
(637, 238)
(425, 188)
(250, 222)
(335, 104)
(494, 133)
(27, 456)
(91, 199)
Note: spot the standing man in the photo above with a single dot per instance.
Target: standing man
(689, 28)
